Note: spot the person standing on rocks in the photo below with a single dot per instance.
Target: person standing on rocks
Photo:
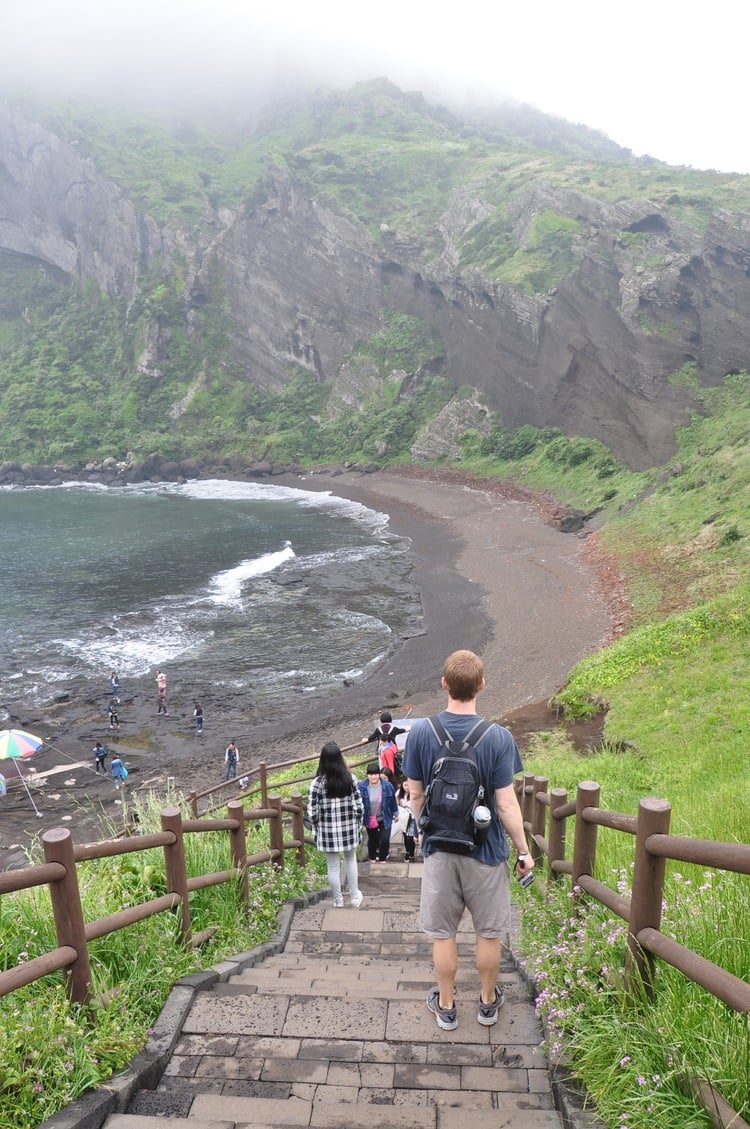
(231, 760)
(100, 756)
(480, 879)
(198, 715)
(114, 716)
(334, 808)
(119, 772)
(114, 682)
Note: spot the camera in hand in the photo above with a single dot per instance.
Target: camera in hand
(525, 877)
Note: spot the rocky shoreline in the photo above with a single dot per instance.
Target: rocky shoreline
(494, 571)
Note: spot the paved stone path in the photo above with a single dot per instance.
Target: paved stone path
(333, 1032)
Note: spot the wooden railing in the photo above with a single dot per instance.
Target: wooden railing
(203, 802)
(642, 910)
(59, 873)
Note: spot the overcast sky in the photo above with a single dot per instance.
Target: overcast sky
(660, 77)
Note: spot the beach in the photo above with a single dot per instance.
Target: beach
(495, 575)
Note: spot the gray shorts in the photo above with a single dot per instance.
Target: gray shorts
(453, 883)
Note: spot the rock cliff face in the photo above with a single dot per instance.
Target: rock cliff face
(594, 355)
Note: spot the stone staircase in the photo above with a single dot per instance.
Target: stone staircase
(334, 1032)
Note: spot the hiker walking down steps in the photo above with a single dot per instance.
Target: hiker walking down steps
(334, 808)
(465, 853)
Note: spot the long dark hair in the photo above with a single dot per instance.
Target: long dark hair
(332, 767)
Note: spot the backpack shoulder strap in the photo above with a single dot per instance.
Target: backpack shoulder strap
(472, 738)
(440, 731)
(475, 735)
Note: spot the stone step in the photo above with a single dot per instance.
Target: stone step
(148, 1121)
(335, 1113)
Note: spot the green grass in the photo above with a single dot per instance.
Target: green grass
(55, 1051)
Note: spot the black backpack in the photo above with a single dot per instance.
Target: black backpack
(454, 790)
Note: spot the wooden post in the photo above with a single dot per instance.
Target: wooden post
(276, 830)
(238, 849)
(193, 803)
(648, 888)
(298, 827)
(263, 781)
(527, 798)
(538, 817)
(174, 866)
(584, 843)
(68, 913)
(556, 839)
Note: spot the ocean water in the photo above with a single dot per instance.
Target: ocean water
(238, 586)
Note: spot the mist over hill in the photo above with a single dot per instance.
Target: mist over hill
(352, 274)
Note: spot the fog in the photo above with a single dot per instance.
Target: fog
(656, 80)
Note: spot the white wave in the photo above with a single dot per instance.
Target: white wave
(132, 649)
(373, 520)
(226, 587)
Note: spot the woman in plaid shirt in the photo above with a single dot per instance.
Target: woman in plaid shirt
(335, 808)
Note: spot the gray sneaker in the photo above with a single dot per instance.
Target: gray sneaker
(487, 1014)
(445, 1017)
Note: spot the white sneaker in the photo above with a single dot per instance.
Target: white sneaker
(338, 902)
(357, 899)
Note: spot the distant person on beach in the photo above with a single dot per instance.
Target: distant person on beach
(198, 715)
(119, 772)
(114, 682)
(100, 756)
(162, 706)
(334, 808)
(479, 879)
(380, 809)
(114, 717)
(231, 760)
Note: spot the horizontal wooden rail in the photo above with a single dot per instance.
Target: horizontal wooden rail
(725, 985)
(203, 881)
(616, 820)
(565, 810)
(704, 852)
(261, 856)
(614, 902)
(102, 926)
(30, 876)
(54, 961)
(202, 825)
(110, 848)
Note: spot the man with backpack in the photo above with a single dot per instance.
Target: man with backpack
(460, 771)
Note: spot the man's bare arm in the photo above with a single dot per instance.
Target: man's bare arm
(510, 813)
(416, 797)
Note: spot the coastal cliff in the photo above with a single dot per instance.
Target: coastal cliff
(611, 298)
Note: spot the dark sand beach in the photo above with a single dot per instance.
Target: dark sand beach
(495, 574)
